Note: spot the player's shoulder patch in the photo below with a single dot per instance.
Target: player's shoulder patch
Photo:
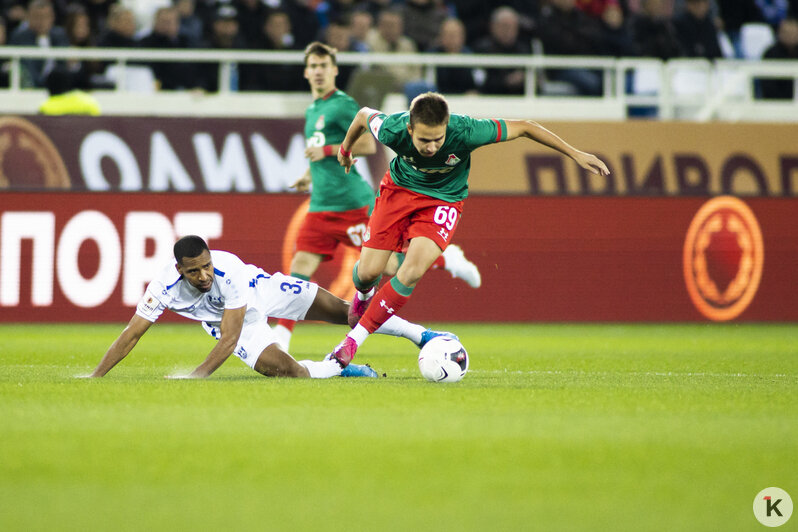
(148, 304)
(375, 123)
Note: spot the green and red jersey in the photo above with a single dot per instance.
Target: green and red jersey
(445, 174)
(326, 122)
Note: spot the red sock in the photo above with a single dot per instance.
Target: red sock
(385, 304)
(440, 262)
(288, 324)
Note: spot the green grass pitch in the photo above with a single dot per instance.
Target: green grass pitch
(555, 427)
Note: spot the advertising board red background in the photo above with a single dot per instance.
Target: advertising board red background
(542, 259)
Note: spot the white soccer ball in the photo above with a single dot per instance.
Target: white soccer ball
(443, 359)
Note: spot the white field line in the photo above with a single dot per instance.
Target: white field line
(622, 373)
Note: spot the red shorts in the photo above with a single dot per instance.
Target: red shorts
(401, 214)
(322, 232)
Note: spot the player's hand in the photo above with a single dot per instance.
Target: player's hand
(346, 161)
(315, 153)
(591, 163)
(302, 184)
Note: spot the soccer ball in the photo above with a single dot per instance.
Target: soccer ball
(443, 359)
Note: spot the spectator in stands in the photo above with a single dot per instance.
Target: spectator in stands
(773, 11)
(375, 7)
(565, 30)
(361, 23)
(389, 37)
(304, 22)
(121, 29)
(165, 35)
(145, 11)
(696, 30)
(504, 39)
(65, 98)
(276, 35)
(451, 40)
(785, 47)
(733, 14)
(422, 20)
(338, 35)
(653, 32)
(595, 8)
(14, 13)
(98, 14)
(224, 36)
(475, 15)
(251, 17)
(78, 29)
(617, 36)
(38, 30)
(329, 11)
(190, 24)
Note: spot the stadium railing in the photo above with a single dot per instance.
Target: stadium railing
(684, 89)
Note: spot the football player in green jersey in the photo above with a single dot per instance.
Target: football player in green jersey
(340, 201)
(421, 197)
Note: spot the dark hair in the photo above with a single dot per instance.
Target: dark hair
(59, 81)
(189, 246)
(429, 108)
(320, 49)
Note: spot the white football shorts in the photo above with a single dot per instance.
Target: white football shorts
(278, 296)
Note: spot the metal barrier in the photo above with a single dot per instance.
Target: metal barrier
(693, 89)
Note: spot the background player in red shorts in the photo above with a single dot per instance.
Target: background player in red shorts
(340, 202)
(421, 197)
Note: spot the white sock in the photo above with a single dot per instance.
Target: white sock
(358, 334)
(365, 295)
(322, 370)
(396, 326)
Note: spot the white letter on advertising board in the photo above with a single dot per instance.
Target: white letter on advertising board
(207, 225)
(40, 228)
(165, 167)
(100, 144)
(227, 172)
(140, 269)
(88, 225)
(277, 173)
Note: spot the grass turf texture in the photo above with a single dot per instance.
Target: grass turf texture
(556, 427)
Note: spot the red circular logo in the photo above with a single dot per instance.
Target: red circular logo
(723, 258)
(28, 158)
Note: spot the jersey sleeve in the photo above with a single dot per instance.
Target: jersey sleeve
(375, 122)
(482, 131)
(150, 307)
(387, 128)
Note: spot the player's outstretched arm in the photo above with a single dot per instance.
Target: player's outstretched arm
(129, 337)
(358, 126)
(303, 183)
(538, 133)
(232, 322)
(364, 145)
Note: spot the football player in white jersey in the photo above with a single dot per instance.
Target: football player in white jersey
(234, 300)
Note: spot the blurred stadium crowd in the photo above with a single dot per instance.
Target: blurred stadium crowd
(662, 29)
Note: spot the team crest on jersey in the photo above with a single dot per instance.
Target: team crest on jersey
(320, 123)
(367, 234)
(452, 160)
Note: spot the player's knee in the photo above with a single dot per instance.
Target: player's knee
(410, 275)
(368, 275)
